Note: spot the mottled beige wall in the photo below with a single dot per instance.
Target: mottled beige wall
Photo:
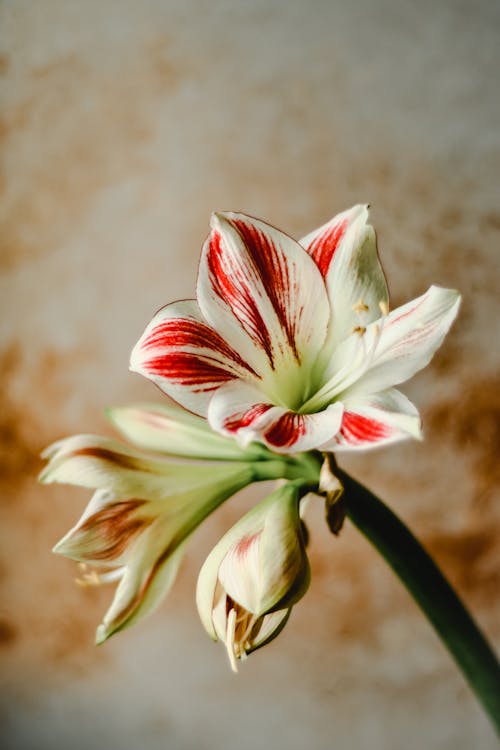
(124, 125)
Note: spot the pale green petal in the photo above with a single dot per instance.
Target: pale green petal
(101, 463)
(174, 431)
(142, 588)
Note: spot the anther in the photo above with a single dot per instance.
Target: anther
(384, 307)
(89, 579)
(360, 330)
(230, 644)
(360, 306)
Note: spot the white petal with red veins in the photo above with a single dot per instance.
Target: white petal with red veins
(238, 410)
(186, 357)
(389, 351)
(345, 250)
(405, 341)
(373, 421)
(260, 289)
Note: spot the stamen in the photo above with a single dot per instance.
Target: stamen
(93, 578)
(89, 579)
(384, 307)
(360, 306)
(360, 330)
(244, 638)
(230, 631)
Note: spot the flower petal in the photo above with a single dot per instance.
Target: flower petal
(176, 432)
(389, 351)
(106, 530)
(267, 628)
(345, 251)
(101, 463)
(405, 341)
(238, 409)
(144, 585)
(373, 421)
(256, 286)
(186, 357)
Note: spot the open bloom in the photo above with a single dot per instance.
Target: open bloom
(292, 344)
(254, 575)
(145, 507)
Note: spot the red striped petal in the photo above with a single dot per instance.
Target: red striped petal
(286, 431)
(233, 286)
(237, 409)
(345, 251)
(255, 288)
(186, 357)
(247, 418)
(323, 246)
(379, 419)
(358, 430)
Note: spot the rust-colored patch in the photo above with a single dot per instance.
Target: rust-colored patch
(472, 422)
(4, 64)
(492, 219)
(116, 526)
(27, 422)
(8, 633)
(20, 447)
(118, 459)
(469, 552)
(75, 132)
(472, 559)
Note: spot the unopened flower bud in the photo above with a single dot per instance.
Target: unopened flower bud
(254, 575)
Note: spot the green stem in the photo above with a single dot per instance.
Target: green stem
(303, 466)
(431, 591)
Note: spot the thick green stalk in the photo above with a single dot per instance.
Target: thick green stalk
(431, 591)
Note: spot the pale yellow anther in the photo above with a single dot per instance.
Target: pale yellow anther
(87, 579)
(384, 307)
(360, 330)
(360, 306)
(230, 645)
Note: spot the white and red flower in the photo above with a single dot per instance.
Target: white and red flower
(292, 344)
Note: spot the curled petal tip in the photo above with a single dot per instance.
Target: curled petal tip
(58, 548)
(101, 635)
(217, 218)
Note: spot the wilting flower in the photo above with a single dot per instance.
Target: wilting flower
(145, 508)
(292, 344)
(254, 575)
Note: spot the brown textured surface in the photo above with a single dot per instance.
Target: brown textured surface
(123, 126)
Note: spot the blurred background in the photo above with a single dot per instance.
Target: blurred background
(124, 125)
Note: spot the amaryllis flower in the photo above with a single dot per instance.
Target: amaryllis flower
(292, 344)
(145, 506)
(254, 575)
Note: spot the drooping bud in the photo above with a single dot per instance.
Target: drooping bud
(254, 575)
